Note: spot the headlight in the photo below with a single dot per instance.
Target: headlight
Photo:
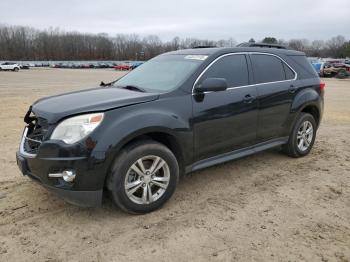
(76, 128)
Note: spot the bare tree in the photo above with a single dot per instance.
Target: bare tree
(25, 43)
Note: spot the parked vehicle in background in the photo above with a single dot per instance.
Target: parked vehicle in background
(343, 70)
(8, 66)
(135, 65)
(123, 67)
(332, 69)
(179, 112)
(24, 66)
(318, 66)
(86, 64)
(336, 70)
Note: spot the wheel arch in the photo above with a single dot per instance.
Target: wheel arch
(161, 136)
(308, 101)
(313, 110)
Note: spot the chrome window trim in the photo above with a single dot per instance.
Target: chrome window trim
(245, 53)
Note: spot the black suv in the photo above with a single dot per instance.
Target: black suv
(179, 112)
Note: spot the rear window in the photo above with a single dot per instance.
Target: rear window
(267, 68)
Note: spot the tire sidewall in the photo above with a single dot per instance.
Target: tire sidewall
(304, 117)
(121, 167)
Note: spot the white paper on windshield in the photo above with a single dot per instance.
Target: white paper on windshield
(196, 57)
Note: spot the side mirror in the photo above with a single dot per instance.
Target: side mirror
(212, 85)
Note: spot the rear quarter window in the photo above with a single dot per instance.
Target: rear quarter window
(303, 66)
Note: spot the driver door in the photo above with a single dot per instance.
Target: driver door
(225, 120)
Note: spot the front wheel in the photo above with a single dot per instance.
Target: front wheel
(144, 176)
(302, 137)
(16, 69)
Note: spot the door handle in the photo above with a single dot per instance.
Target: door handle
(248, 99)
(292, 89)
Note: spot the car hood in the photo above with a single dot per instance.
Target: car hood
(99, 99)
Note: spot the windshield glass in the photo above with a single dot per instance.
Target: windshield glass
(163, 73)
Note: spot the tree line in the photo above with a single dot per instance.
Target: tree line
(27, 43)
(335, 47)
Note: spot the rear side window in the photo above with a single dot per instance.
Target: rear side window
(267, 68)
(289, 73)
(233, 68)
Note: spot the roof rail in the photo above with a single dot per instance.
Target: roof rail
(266, 45)
(205, 46)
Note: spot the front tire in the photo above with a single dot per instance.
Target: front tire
(16, 69)
(302, 138)
(143, 177)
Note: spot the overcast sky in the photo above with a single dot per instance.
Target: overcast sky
(207, 19)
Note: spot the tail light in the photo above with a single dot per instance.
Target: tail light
(322, 86)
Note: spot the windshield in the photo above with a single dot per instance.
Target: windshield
(163, 73)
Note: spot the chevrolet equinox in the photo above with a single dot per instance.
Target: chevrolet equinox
(179, 112)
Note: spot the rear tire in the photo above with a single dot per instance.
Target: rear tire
(342, 74)
(143, 177)
(302, 137)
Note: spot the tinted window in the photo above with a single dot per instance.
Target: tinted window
(289, 73)
(302, 66)
(233, 68)
(267, 68)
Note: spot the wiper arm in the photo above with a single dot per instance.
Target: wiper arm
(106, 84)
(132, 87)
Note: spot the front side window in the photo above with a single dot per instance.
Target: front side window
(232, 67)
(268, 68)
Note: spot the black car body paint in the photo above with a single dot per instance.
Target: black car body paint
(203, 128)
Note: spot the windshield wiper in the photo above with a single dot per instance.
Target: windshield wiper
(103, 84)
(133, 88)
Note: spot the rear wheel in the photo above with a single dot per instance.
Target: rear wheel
(144, 176)
(342, 74)
(303, 136)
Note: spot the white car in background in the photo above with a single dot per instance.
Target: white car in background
(9, 66)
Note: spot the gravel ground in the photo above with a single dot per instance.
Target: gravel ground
(266, 207)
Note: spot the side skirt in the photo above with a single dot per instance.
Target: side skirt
(239, 153)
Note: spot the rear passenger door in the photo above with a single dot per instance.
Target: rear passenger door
(226, 120)
(276, 89)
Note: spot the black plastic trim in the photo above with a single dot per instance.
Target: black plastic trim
(236, 154)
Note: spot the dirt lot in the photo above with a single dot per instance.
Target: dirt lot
(266, 207)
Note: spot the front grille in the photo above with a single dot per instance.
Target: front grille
(35, 133)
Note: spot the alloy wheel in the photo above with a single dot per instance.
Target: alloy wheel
(305, 135)
(147, 179)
